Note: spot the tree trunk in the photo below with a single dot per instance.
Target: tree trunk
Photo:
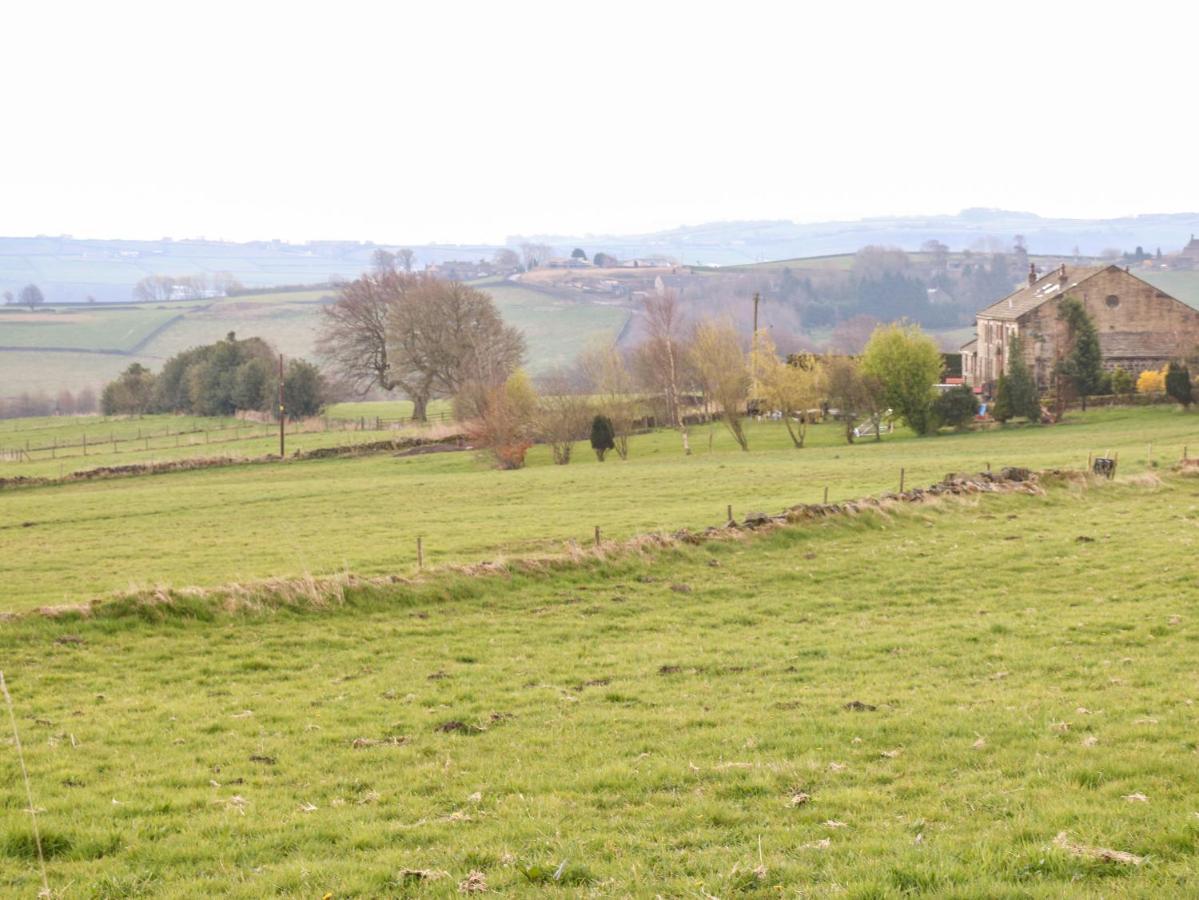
(797, 440)
(420, 408)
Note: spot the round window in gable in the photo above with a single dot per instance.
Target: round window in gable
(1112, 301)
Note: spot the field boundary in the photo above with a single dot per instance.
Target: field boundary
(406, 446)
(324, 592)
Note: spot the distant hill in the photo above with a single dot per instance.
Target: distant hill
(71, 270)
(731, 243)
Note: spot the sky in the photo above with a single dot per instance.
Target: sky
(455, 122)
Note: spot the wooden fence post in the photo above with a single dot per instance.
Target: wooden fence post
(597, 535)
(420, 553)
(826, 495)
(901, 476)
(730, 512)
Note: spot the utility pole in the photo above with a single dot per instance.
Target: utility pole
(282, 420)
(753, 353)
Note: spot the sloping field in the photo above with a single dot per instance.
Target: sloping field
(983, 698)
(76, 541)
(556, 330)
(121, 329)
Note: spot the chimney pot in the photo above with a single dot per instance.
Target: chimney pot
(1032, 274)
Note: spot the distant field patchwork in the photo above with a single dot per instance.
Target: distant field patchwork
(73, 347)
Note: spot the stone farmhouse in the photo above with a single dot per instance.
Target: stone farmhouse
(1140, 327)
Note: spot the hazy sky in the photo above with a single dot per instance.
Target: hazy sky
(463, 122)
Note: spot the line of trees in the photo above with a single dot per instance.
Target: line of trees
(157, 288)
(427, 338)
(64, 403)
(218, 379)
(31, 295)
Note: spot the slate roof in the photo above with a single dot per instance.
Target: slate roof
(1045, 288)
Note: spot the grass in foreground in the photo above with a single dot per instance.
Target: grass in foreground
(685, 723)
(77, 541)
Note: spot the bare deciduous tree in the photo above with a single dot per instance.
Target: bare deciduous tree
(406, 259)
(663, 357)
(424, 337)
(607, 377)
(506, 259)
(535, 255)
(383, 261)
(721, 365)
(564, 412)
(353, 338)
(454, 334)
(31, 296)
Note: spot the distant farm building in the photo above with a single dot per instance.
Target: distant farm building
(1140, 326)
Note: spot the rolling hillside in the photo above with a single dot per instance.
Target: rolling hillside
(71, 347)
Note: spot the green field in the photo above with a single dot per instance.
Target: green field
(914, 703)
(385, 409)
(76, 541)
(115, 336)
(556, 329)
(119, 329)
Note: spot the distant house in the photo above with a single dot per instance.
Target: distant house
(1189, 257)
(1140, 326)
(566, 262)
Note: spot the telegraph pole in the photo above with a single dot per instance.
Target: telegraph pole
(282, 420)
(753, 353)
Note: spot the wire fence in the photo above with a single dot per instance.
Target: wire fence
(147, 439)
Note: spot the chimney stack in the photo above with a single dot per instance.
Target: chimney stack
(1061, 277)
(1032, 274)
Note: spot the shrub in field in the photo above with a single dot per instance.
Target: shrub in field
(507, 421)
(562, 414)
(603, 436)
(1178, 384)
(1122, 381)
(956, 407)
(1151, 382)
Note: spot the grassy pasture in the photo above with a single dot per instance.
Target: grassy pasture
(117, 329)
(673, 724)
(363, 515)
(556, 330)
(384, 409)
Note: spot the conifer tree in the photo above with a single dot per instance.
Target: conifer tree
(1178, 384)
(1083, 365)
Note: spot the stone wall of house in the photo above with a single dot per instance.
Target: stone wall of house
(1151, 327)
(1118, 304)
